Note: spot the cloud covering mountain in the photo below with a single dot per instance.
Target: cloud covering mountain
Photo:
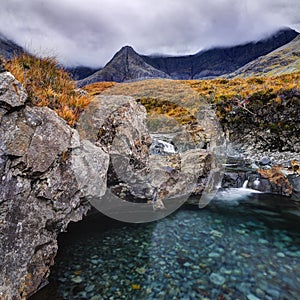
(87, 32)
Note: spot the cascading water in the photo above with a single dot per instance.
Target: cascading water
(245, 184)
(161, 147)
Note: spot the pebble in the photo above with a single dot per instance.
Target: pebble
(263, 241)
(252, 297)
(217, 279)
(280, 254)
(89, 288)
(187, 264)
(77, 279)
(97, 297)
(273, 293)
(214, 255)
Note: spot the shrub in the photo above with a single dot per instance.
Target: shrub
(49, 85)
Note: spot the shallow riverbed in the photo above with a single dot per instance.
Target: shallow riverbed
(229, 250)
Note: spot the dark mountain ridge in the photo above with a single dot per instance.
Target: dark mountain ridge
(221, 60)
(8, 48)
(127, 65)
(81, 72)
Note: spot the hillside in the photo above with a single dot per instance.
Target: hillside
(126, 65)
(284, 60)
(263, 112)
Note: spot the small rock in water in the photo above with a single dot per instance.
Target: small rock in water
(187, 264)
(141, 270)
(265, 161)
(90, 288)
(96, 297)
(77, 279)
(216, 233)
(217, 279)
(214, 255)
(263, 241)
(252, 297)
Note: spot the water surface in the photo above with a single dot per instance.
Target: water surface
(229, 250)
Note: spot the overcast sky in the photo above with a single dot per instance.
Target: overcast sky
(89, 32)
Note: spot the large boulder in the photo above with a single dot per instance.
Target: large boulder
(158, 184)
(39, 188)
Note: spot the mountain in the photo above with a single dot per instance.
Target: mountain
(283, 60)
(8, 48)
(218, 61)
(80, 72)
(126, 65)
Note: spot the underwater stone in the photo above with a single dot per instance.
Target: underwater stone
(217, 279)
(252, 297)
(77, 279)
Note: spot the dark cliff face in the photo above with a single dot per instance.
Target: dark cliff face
(219, 61)
(80, 72)
(8, 48)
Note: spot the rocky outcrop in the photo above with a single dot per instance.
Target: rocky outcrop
(266, 176)
(39, 189)
(265, 122)
(157, 183)
(50, 173)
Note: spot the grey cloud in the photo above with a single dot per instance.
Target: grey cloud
(89, 32)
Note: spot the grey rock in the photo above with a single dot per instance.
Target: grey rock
(294, 179)
(121, 131)
(39, 190)
(265, 161)
(12, 93)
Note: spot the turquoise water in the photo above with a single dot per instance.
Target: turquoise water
(225, 251)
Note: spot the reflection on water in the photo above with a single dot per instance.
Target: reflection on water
(245, 251)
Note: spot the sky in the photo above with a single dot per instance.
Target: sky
(89, 32)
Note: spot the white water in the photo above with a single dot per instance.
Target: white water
(245, 184)
(234, 195)
(168, 148)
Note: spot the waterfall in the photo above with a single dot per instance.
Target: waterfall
(168, 148)
(256, 182)
(245, 184)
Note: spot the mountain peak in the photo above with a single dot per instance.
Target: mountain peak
(127, 48)
(126, 51)
(126, 65)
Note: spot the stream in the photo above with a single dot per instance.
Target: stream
(243, 245)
